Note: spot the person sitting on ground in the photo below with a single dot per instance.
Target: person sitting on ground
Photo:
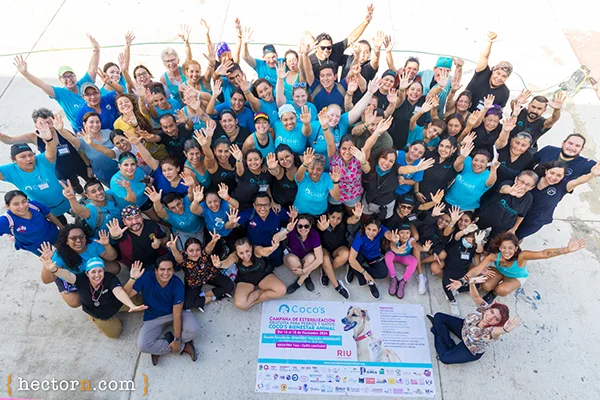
(163, 293)
(100, 293)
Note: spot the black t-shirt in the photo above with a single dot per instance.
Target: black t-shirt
(535, 129)
(133, 247)
(480, 87)
(336, 57)
(508, 170)
(241, 137)
(428, 230)
(402, 115)
(174, 145)
(485, 140)
(332, 239)
(381, 190)
(249, 184)
(108, 305)
(366, 70)
(459, 256)
(382, 101)
(225, 176)
(396, 221)
(500, 211)
(437, 177)
(284, 191)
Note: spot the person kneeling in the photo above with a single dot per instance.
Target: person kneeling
(100, 293)
(164, 294)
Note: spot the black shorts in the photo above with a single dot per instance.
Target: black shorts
(255, 277)
(147, 205)
(64, 286)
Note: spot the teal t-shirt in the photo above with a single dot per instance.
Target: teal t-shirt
(468, 187)
(137, 186)
(312, 196)
(187, 222)
(294, 138)
(93, 249)
(71, 102)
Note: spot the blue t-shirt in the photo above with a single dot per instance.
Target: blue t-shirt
(216, 220)
(104, 167)
(417, 134)
(30, 233)
(544, 203)
(122, 82)
(468, 187)
(71, 102)
(324, 98)
(271, 109)
(175, 106)
(93, 249)
(162, 183)
(314, 114)
(294, 138)
(260, 233)
(317, 139)
(370, 249)
(575, 168)
(187, 222)
(245, 118)
(417, 176)
(137, 186)
(40, 184)
(264, 71)
(160, 300)
(110, 211)
(108, 112)
(312, 196)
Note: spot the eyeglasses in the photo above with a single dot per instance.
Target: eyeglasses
(262, 205)
(171, 60)
(405, 207)
(142, 74)
(326, 47)
(68, 76)
(299, 84)
(522, 182)
(302, 226)
(80, 238)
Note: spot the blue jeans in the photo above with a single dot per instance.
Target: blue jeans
(448, 351)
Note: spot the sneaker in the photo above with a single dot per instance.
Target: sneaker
(228, 295)
(324, 278)
(293, 287)
(349, 274)
(341, 289)
(308, 283)
(201, 309)
(374, 291)
(393, 286)
(430, 318)
(400, 292)
(490, 297)
(422, 281)
(454, 310)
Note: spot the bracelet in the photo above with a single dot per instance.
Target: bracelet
(133, 279)
(363, 164)
(88, 166)
(504, 330)
(325, 129)
(363, 271)
(335, 183)
(305, 166)
(55, 271)
(366, 126)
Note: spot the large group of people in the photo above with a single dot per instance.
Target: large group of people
(327, 160)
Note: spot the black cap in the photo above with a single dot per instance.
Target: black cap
(268, 48)
(18, 149)
(407, 199)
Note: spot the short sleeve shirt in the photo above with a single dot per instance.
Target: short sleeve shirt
(93, 249)
(468, 187)
(312, 196)
(370, 249)
(108, 305)
(302, 249)
(160, 300)
(71, 102)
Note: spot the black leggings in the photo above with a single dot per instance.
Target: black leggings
(221, 283)
(378, 269)
(453, 273)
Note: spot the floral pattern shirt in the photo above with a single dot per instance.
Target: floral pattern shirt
(351, 178)
(197, 273)
(477, 339)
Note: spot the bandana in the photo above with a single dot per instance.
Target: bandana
(505, 66)
(221, 48)
(19, 148)
(94, 262)
(130, 211)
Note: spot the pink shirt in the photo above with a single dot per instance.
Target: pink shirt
(351, 178)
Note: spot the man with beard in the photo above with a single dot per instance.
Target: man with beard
(489, 81)
(140, 240)
(530, 119)
(572, 146)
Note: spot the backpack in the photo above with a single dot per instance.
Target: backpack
(100, 213)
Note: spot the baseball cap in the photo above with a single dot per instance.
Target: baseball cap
(63, 69)
(261, 115)
(268, 48)
(88, 85)
(19, 148)
(407, 199)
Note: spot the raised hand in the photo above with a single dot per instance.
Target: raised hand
(425, 164)
(323, 223)
(136, 271)
(224, 68)
(378, 40)
(374, 85)
(428, 105)
(198, 193)
(181, 118)
(293, 213)
(480, 237)
(575, 245)
(185, 33)
(335, 173)
(427, 246)
(466, 148)
(94, 43)
(404, 80)
(509, 123)
(383, 125)
(455, 83)
(421, 198)
(152, 194)
(309, 156)
(103, 238)
(122, 62)
(155, 242)
(305, 116)
(68, 191)
(324, 118)
(223, 191)
(358, 154)
(129, 38)
(214, 236)
(395, 236)
(58, 122)
(443, 79)
(353, 84)
(236, 152)
(272, 161)
(455, 214)
(104, 76)
(392, 96)
(358, 209)
(172, 243)
(115, 229)
(216, 261)
(247, 33)
(46, 250)
(389, 44)
(470, 228)
(238, 27)
(281, 72)
(124, 183)
(491, 37)
(488, 101)
(437, 197)
(232, 215)
(558, 100)
(513, 323)
(459, 62)
(370, 10)
(20, 63)
(438, 209)
(205, 26)
(291, 225)
(87, 137)
(188, 178)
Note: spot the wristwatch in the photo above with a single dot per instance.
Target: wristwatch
(178, 339)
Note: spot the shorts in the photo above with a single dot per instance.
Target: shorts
(437, 248)
(64, 286)
(253, 278)
(347, 203)
(382, 212)
(147, 205)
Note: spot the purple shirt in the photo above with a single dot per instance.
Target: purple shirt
(295, 246)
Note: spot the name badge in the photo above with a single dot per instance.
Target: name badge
(412, 217)
(43, 186)
(465, 256)
(63, 150)
(263, 188)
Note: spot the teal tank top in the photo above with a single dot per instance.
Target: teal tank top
(268, 148)
(203, 180)
(174, 86)
(514, 271)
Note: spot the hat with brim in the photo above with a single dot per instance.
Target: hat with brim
(88, 85)
(63, 69)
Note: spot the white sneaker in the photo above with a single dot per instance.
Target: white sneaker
(422, 281)
(454, 310)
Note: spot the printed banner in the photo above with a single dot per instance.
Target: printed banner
(362, 349)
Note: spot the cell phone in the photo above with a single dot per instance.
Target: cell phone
(146, 180)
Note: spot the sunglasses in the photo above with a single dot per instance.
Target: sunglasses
(299, 84)
(405, 207)
(302, 226)
(79, 238)
(326, 48)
